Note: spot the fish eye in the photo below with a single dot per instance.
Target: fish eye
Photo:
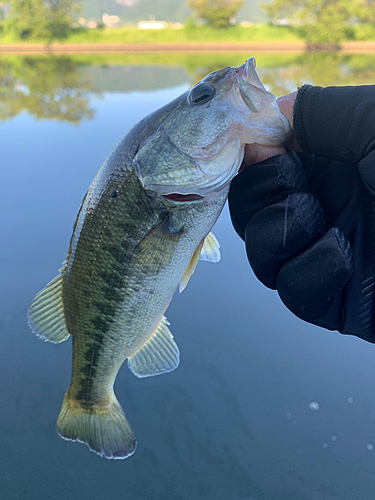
(201, 93)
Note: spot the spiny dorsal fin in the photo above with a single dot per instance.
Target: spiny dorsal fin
(46, 312)
(159, 354)
(210, 250)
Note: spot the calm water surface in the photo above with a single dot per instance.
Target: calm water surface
(263, 405)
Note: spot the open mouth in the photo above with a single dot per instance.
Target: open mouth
(242, 72)
(248, 73)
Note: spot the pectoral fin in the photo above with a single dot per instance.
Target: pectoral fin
(159, 354)
(190, 267)
(210, 250)
(46, 313)
(156, 249)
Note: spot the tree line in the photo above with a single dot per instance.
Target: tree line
(323, 21)
(317, 21)
(38, 19)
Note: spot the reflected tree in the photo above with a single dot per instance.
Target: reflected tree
(46, 87)
(319, 69)
(283, 73)
(60, 88)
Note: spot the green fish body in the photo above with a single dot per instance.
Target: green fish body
(141, 229)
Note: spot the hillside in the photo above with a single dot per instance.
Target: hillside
(132, 11)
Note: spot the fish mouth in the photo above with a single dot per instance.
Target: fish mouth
(242, 71)
(247, 72)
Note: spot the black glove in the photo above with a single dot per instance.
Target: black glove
(309, 228)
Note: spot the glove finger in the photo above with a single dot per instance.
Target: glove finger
(281, 231)
(263, 184)
(309, 284)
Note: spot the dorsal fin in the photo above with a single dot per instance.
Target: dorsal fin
(46, 315)
(46, 312)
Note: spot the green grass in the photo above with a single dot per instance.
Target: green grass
(194, 34)
(131, 34)
(364, 32)
(259, 33)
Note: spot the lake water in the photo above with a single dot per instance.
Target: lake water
(263, 406)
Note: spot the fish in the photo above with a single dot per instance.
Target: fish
(141, 228)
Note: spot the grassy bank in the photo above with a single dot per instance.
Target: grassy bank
(257, 33)
(131, 34)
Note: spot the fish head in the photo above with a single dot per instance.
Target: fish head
(199, 145)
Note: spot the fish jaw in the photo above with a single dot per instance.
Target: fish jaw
(199, 148)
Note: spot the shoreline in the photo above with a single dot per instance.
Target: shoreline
(90, 48)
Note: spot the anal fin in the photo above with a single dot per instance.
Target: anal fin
(159, 354)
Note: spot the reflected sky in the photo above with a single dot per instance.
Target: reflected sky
(235, 420)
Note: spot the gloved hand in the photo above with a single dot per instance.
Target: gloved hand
(309, 228)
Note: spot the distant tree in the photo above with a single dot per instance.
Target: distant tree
(40, 19)
(217, 13)
(322, 21)
(60, 16)
(27, 19)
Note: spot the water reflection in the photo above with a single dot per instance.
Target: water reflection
(319, 69)
(61, 88)
(45, 87)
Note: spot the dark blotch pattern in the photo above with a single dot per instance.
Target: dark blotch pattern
(104, 254)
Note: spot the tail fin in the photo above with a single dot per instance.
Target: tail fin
(105, 430)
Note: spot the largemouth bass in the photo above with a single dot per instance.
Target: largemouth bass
(142, 226)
